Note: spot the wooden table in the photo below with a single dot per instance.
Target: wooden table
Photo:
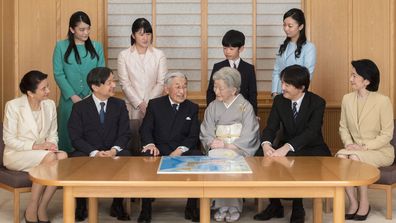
(303, 177)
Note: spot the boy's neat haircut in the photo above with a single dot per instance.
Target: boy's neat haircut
(233, 38)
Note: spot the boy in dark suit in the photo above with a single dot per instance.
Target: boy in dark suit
(171, 128)
(300, 113)
(233, 44)
(99, 127)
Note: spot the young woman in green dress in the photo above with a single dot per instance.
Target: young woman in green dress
(73, 58)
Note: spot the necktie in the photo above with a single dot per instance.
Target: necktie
(294, 109)
(174, 106)
(235, 66)
(102, 113)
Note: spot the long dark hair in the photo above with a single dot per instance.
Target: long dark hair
(76, 18)
(141, 23)
(297, 15)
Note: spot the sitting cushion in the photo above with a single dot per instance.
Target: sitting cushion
(388, 175)
(16, 179)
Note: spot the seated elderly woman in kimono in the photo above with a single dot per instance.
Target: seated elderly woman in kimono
(229, 126)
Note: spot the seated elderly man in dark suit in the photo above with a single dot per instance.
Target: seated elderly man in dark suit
(300, 113)
(171, 128)
(99, 127)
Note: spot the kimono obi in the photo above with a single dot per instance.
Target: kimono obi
(228, 133)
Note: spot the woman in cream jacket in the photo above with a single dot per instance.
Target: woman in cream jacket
(31, 138)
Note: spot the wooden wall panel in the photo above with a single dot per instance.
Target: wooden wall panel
(36, 38)
(1, 56)
(95, 11)
(10, 85)
(330, 33)
(371, 39)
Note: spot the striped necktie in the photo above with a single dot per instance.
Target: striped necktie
(294, 109)
(102, 113)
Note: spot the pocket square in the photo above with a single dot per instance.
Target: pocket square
(188, 119)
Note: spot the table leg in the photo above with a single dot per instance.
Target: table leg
(93, 210)
(68, 205)
(317, 210)
(205, 210)
(339, 205)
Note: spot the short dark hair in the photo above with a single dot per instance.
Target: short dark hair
(141, 23)
(296, 75)
(98, 76)
(369, 71)
(31, 80)
(233, 38)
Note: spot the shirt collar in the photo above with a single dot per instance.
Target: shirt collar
(172, 102)
(299, 101)
(98, 101)
(237, 61)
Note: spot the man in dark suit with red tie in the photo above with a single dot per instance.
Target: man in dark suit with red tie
(171, 128)
(99, 127)
(300, 114)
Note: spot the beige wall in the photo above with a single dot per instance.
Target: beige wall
(30, 29)
(348, 30)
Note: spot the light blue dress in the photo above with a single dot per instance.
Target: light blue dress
(307, 59)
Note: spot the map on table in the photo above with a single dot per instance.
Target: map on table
(202, 165)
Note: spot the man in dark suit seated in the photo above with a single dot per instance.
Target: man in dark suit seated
(99, 127)
(171, 128)
(300, 113)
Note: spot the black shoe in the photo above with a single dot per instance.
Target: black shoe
(191, 214)
(81, 213)
(145, 213)
(298, 215)
(351, 216)
(270, 212)
(144, 217)
(118, 211)
(362, 217)
(26, 221)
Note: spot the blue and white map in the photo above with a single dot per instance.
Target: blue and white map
(202, 165)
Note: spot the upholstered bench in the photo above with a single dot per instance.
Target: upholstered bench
(15, 182)
(387, 180)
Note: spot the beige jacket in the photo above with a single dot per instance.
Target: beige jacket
(374, 129)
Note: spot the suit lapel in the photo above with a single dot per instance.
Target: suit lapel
(91, 107)
(352, 110)
(46, 119)
(288, 53)
(288, 115)
(304, 108)
(367, 107)
(28, 113)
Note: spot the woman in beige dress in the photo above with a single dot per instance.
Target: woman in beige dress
(141, 71)
(366, 129)
(31, 138)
